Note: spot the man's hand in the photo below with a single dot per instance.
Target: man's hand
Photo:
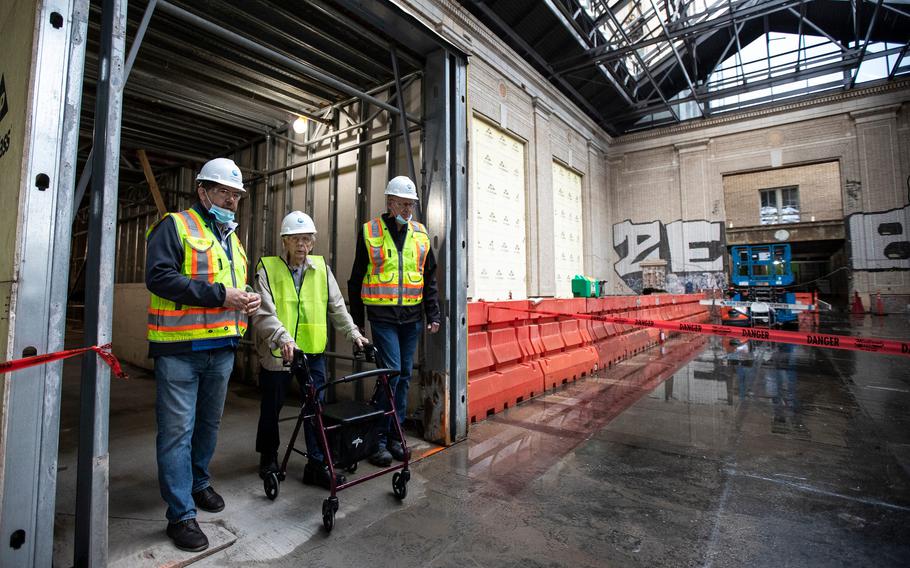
(287, 351)
(235, 298)
(252, 303)
(432, 327)
(360, 342)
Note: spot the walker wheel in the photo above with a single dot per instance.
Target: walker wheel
(399, 485)
(328, 514)
(270, 484)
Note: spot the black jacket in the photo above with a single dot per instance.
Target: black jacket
(392, 314)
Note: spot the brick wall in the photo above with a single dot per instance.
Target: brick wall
(819, 192)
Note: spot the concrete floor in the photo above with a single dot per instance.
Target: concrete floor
(693, 454)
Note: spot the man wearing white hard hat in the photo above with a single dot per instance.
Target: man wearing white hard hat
(299, 296)
(196, 272)
(394, 276)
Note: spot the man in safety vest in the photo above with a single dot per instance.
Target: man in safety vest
(394, 276)
(196, 271)
(299, 296)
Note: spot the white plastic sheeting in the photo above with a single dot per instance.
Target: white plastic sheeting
(567, 228)
(498, 263)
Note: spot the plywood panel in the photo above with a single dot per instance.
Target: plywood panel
(498, 263)
(567, 226)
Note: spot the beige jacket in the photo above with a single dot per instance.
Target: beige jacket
(270, 333)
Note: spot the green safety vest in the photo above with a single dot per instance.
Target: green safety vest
(303, 314)
(203, 259)
(394, 277)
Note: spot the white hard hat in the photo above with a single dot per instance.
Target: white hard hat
(402, 186)
(296, 223)
(223, 171)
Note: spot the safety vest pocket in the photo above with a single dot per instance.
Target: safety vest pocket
(199, 244)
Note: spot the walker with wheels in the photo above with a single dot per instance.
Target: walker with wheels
(348, 432)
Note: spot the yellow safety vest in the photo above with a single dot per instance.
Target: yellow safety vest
(394, 277)
(303, 314)
(203, 259)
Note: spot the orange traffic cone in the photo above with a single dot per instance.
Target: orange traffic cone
(879, 305)
(857, 308)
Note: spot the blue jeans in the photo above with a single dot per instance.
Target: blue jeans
(274, 386)
(396, 344)
(191, 388)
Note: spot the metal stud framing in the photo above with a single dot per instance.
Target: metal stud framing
(30, 464)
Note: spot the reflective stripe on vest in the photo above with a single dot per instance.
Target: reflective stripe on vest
(203, 259)
(394, 277)
(303, 314)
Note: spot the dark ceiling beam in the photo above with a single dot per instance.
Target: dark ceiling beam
(644, 66)
(603, 53)
(862, 53)
(571, 25)
(541, 62)
(822, 32)
(839, 65)
(679, 61)
(897, 63)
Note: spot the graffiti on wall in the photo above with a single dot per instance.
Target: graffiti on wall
(880, 240)
(694, 252)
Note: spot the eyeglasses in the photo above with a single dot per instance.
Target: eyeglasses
(402, 204)
(227, 193)
(307, 239)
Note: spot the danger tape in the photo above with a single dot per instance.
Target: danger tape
(103, 351)
(848, 342)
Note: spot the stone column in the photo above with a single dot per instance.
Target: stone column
(541, 246)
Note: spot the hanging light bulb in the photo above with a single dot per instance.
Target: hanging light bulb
(299, 125)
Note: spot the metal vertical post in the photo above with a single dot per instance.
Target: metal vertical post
(333, 230)
(364, 157)
(130, 59)
(32, 411)
(310, 198)
(405, 135)
(93, 459)
(445, 180)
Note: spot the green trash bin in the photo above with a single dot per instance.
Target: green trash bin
(581, 286)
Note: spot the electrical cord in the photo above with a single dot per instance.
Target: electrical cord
(835, 271)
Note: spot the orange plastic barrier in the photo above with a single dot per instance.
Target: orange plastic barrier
(516, 354)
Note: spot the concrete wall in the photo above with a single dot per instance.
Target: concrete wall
(660, 177)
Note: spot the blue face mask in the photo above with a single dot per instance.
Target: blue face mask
(222, 216)
(401, 220)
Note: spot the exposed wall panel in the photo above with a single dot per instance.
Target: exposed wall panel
(567, 227)
(498, 254)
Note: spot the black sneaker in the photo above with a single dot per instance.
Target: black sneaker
(268, 464)
(396, 450)
(382, 458)
(187, 535)
(318, 474)
(208, 500)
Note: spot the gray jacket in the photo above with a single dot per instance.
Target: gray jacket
(270, 333)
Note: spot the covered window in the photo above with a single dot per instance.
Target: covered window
(779, 205)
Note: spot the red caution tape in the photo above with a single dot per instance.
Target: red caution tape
(103, 351)
(848, 342)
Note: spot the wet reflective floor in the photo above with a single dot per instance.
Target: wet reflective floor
(698, 453)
